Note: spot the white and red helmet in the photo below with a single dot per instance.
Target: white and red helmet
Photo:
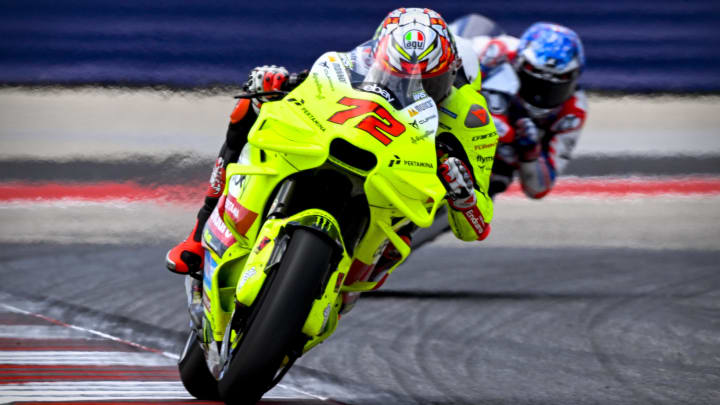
(417, 42)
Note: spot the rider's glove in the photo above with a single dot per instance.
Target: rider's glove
(458, 182)
(264, 79)
(527, 140)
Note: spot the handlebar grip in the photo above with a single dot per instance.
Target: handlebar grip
(294, 80)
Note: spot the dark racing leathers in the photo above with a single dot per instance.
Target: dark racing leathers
(559, 130)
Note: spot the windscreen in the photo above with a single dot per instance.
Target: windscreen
(475, 25)
(399, 90)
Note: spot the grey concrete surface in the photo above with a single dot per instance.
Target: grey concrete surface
(65, 123)
(685, 223)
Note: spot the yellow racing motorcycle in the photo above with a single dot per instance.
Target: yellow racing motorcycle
(331, 174)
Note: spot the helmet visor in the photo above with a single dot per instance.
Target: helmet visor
(438, 87)
(400, 90)
(545, 92)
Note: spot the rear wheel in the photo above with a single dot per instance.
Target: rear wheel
(276, 321)
(194, 372)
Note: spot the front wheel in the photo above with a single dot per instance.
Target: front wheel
(276, 321)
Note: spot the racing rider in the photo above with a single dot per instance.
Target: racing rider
(539, 110)
(409, 41)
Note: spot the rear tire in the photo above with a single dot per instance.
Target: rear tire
(194, 372)
(277, 318)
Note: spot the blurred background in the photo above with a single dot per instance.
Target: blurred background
(111, 113)
(631, 46)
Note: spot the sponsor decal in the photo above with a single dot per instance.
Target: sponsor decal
(347, 62)
(240, 216)
(432, 117)
(232, 209)
(323, 223)
(220, 229)
(477, 117)
(422, 137)
(264, 242)
(484, 159)
(318, 86)
(413, 112)
(216, 235)
(411, 163)
(415, 124)
(217, 179)
(326, 72)
(484, 136)
(447, 112)
(379, 122)
(247, 275)
(374, 88)
(332, 58)
(414, 163)
(326, 316)
(353, 59)
(419, 95)
(236, 189)
(206, 302)
(300, 103)
(443, 126)
(485, 146)
(425, 105)
(475, 219)
(340, 72)
(414, 39)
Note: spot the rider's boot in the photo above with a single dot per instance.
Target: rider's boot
(187, 256)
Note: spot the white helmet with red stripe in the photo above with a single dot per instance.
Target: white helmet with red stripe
(415, 41)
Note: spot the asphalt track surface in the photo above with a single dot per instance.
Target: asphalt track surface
(454, 325)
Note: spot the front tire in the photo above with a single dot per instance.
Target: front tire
(194, 373)
(276, 321)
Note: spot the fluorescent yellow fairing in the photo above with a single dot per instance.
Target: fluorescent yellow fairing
(479, 142)
(295, 135)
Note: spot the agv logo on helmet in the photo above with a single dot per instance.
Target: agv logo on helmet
(414, 39)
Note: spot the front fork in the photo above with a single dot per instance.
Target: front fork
(194, 291)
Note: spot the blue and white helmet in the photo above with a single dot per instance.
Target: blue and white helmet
(549, 61)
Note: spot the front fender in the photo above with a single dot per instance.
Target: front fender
(271, 244)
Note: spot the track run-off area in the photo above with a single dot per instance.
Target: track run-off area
(606, 291)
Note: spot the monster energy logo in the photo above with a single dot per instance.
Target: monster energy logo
(322, 223)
